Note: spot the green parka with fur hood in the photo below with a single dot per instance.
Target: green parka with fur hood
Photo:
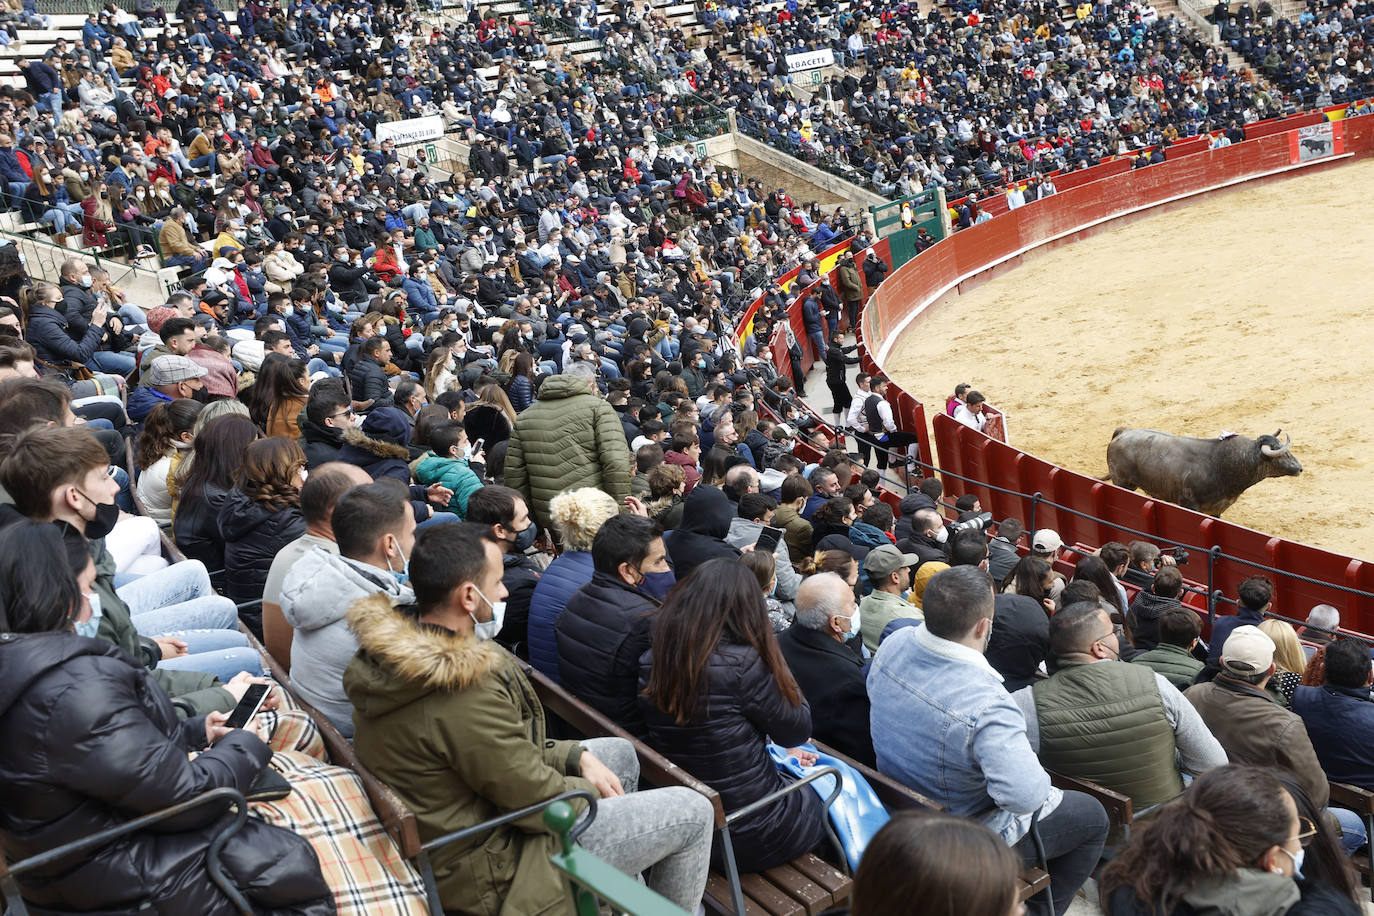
(453, 726)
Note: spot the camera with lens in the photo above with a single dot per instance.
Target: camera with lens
(977, 523)
(1178, 553)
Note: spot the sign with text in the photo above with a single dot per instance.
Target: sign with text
(810, 60)
(412, 130)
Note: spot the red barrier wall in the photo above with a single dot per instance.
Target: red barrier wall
(975, 254)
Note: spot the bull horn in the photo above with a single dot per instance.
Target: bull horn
(1270, 451)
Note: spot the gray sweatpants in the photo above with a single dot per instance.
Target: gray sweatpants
(665, 833)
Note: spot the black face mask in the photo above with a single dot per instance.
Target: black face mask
(106, 517)
(202, 395)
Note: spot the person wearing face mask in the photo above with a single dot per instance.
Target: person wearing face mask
(928, 536)
(1242, 841)
(934, 680)
(506, 513)
(448, 719)
(1141, 736)
(167, 379)
(61, 474)
(821, 649)
(605, 627)
(449, 462)
(84, 719)
(375, 532)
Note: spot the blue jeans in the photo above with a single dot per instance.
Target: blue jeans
(818, 341)
(1352, 830)
(223, 653)
(177, 598)
(120, 364)
(318, 365)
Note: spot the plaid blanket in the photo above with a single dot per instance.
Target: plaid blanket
(329, 807)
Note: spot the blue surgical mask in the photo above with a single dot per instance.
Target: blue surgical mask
(91, 626)
(402, 576)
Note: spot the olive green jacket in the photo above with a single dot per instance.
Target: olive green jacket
(453, 726)
(567, 439)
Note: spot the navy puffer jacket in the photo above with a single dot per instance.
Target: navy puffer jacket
(88, 741)
(724, 745)
(601, 635)
(565, 575)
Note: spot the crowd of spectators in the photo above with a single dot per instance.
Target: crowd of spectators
(1320, 59)
(967, 97)
(386, 396)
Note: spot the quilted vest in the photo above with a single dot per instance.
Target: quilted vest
(1105, 722)
(1178, 666)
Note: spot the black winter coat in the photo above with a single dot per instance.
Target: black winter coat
(253, 533)
(1020, 639)
(601, 634)
(78, 305)
(321, 444)
(381, 458)
(1142, 617)
(724, 746)
(51, 338)
(835, 363)
(520, 578)
(705, 523)
(196, 531)
(831, 676)
(88, 741)
(369, 382)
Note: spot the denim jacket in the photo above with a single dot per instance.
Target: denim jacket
(943, 724)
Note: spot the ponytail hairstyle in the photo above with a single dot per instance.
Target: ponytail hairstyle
(837, 561)
(1226, 820)
(163, 429)
(32, 295)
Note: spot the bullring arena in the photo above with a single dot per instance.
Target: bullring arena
(1240, 311)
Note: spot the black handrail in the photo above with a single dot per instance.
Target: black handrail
(9, 874)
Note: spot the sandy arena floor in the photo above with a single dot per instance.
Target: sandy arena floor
(1245, 311)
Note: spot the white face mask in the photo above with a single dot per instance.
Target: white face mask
(487, 629)
(941, 535)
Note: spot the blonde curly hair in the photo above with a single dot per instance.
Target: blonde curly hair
(578, 514)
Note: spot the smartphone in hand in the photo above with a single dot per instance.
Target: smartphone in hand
(768, 539)
(248, 707)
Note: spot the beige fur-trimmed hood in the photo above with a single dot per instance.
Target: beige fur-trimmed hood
(401, 660)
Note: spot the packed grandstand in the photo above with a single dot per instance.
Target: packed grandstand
(434, 481)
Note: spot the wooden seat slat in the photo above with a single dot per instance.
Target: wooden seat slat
(812, 897)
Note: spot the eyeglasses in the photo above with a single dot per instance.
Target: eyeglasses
(112, 472)
(1307, 832)
(346, 412)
